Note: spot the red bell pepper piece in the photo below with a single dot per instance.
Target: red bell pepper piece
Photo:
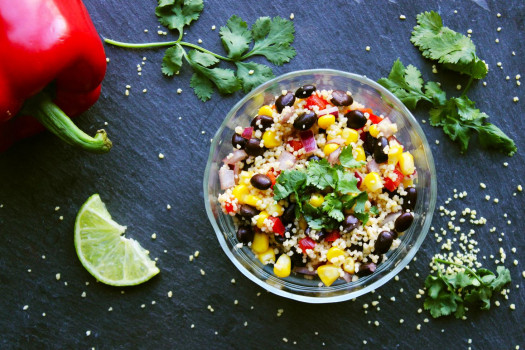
(332, 236)
(374, 118)
(277, 226)
(390, 184)
(272, 177)
(306, 243)
(229, 207)
(315, 100)
(296, 144)
(52, 65)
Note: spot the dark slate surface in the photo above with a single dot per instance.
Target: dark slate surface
(41, 173)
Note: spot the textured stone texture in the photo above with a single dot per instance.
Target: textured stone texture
(41, 173)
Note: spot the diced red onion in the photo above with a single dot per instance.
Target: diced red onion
(226, 178)
(385, 127)
(372, 166)
(308, 140)
(331, 110)
(347, 277)
(359, 178)
(337, 140)
(238, 155)
(286, 160)
(288, 114)
(334, 156)
(247, 133)
(304, 271)
(390, 217)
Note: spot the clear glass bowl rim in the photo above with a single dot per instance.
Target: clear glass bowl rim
(400, 265)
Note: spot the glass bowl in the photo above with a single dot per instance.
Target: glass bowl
(368, 93)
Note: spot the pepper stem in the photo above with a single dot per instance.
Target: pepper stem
(55, 120)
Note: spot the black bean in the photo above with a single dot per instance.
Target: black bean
(284, 101)
(289, 214)
(350, 223)
(261, 181)
(383, 242)
(305, 91)
(355, 119)
(379, 150)
(247, 211)
(238, 140)
(341, 98)
(409, 201)
(297, 259)
(305, 121)
(368, 144)
(321, 235)
(357, 247)
(366, 269)
(279, 239)
(403, 222)
(245, 234)
(313, 158)
(253, 147)
(261, 122)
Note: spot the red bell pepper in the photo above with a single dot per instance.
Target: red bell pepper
(315, 100)
(390, 184)
(306, 243)
(295, 144)
(332, 236)
(52, 65)
(277, 226)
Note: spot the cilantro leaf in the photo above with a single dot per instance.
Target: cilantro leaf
(456, 51)
(360, 201)
(347, 182)
(175, 14)
(236, 37)
(347, 159)
(172, 60)
(288, 182)
(321, 175)
(261, 73)
(374, 210)
(440, 301)
(272, 40)
(202, 86)
(202, 58)
(333, 207)
(406, 84)
(224, 79)
(490, 136)
(502, 279)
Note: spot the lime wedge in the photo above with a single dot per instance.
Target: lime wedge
(104, 252)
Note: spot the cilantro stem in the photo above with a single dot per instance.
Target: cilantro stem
(467, 87)
(140, 45)
(196, 47)
(461, 266)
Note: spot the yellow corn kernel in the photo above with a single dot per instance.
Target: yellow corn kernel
(328, 274)
(394, 153)
(330, 137)
(270, 139)
(406, 163)
(260, 220)
(245, 176)
(267, 257)
(408, 182)
(373, 182)
(283, 266)
(252, 200)
(325, 121)
(329, 148)
(334, 129)
(316, 200)
(373, 130)
(265, 110)
(349, 135)
(359, 154)
(349, 265)
(260, 243)
(334, 252)
(240, 191)
(275, 208)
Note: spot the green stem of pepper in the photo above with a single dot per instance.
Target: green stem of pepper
(472, 272)
(55, 120)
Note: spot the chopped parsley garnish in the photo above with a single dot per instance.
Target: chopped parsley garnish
(458, 116)
(268, 37)
(449, 293)
(342, 195)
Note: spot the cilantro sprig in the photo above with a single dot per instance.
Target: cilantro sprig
(449, 293)
(268, 37)
(458, 116)
(340, 184)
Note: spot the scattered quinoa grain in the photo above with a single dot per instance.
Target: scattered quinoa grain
(88, 333)
(25, 307)
(57, 276)
(161, 156)
(367, 48)
(154, 236)
(512, 307)
(213, 27)
(179, 91)
(402, 17)
(292, 16)
(482, 185)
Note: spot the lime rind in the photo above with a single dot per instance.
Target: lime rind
(104, 252)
